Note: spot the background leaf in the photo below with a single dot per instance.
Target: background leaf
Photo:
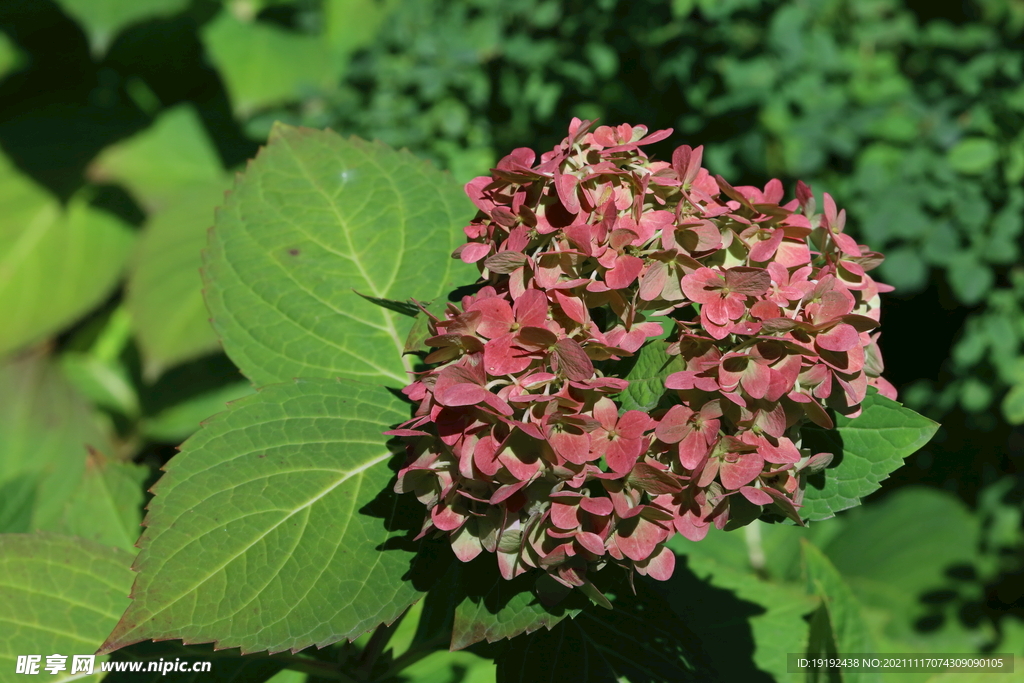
(106, 506)
(45, 429)
(173, 170)
(58, 595)
(268, 530)
(866, 450)
(314, 217)
(38, 240)
(103, 19)
(843, 612)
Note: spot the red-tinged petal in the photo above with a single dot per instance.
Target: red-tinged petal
(740, 472)
(573, 307)
(846, 244)
(626, 270)
(717, 312)
(653, 281)
(756, 496)
(793, 254)
(502, 357)
(709, 472)
(471, 252)
(466, 545)
(692, 527)
(606, 412)
(715, 331)
(830, 209)
(756, 379)
(484, 456)
(497, 316)
(772, 420)
(637, 537)
(786, 452)
(446, 518)
(765, 249)
(571, 446)
(675, 425)
(748, 281)
(660, 566)
(591, 541)
(522, 471)
(461, 395)
(564, 516)
(885, 388)
(633, 424)
(693, 450)
(565, 185)
(597, 506)
(503, 493)
(840, 338)
(703, 285)
(680, 380)
(622, 454)
(573, 361)
(531, 309)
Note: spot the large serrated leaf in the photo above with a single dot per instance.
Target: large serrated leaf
(498, 609)
(58, 595)
(314, 217)
(266, 531)
(867, 449)
(641, 640)
(55, 263)
(45, 430)
(173, 170)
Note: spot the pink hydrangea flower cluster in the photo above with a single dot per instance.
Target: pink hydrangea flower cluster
(518, 446)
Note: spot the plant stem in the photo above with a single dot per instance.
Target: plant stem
(755, 550)
(375, 647)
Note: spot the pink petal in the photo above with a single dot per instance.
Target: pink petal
(744, 470)
(471, 252)
(660, 566)
(626, 270)
(573, 360)
(622, 454)
(842, 337)
(756, 496)
(597, 506)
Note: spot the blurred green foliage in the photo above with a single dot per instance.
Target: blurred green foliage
(125, 119)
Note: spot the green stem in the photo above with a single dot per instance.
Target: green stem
(375, 647)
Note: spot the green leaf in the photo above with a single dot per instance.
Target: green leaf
(879, 554)
(1013, 405)
(266, 531)
(845, 623)
(973, 155)
(451, 667)
(867, 449)
(314, 217)
(248, 56)
(58, 595)
(181, 420)
(45, 428)
(745, 625)
(496, 609)
(640, 640)
(105, 383)
(969, 278)
(106, 506)
(173, 170)
(55, 264)
(103, 19)
(10, 55)
(647, 377)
